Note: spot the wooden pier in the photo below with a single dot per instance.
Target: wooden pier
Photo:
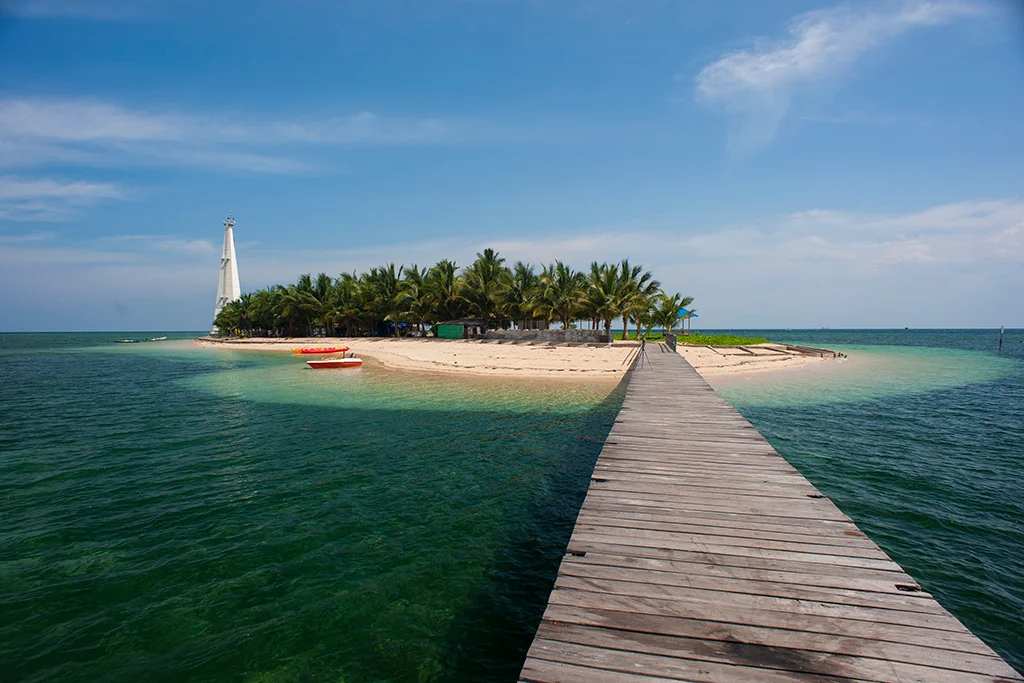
(701, 555)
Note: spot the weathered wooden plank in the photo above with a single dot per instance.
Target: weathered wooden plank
(810, 623)
(782, 638)
(670, 539)
(717, 517)
(911, 602)
(701, 555)
(796, 567)
(825, 510)
(710, 524)
(739, 477)
(773, 658)
(719, 489)
(670, 668)
(755, 570)
(712, 598)
(735, 535)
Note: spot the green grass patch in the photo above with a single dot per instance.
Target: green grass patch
(719, 340)
(698, 339)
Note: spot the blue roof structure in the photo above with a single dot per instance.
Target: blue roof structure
(684, 312)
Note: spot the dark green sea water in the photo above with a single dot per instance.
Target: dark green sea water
(172, 514)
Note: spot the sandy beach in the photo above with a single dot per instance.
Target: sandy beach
(727, 360)
(490, 358)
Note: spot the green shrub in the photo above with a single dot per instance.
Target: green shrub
(699, 339)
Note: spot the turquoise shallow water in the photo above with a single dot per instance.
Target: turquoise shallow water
(174, 514)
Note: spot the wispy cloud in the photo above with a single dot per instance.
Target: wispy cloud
(85, 121)
(26, 238)
(757, 86)
(45, 199)
(36, 132)
(967, 216)
(225, 160)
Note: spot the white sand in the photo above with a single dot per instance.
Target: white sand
(474, 357)
(722, 360)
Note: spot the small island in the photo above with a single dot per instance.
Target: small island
(490, 319)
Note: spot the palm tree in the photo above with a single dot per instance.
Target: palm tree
(638, 285)
(416, 297)
(642, 311)
(263, 310)
(487, 288)
(384, 293)
(298, 307)
(229, 321)
(245, 312)
(483, 283)
(667, 307)
(346, 304)
(603, 288)
(322, 289)
(444, 284)
(561, 292)
(519, 297)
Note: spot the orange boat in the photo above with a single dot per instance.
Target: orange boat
(322, 349)
(350, 362)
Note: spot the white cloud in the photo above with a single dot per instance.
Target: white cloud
(84, 120)
(37, 132)
(225, 160)
(28, 237)
(45, 199)
(757, 86)
(968, 218)
(957, 264)
(361, 128)
(77, 192)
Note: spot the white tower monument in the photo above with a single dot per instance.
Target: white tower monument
(227, 286)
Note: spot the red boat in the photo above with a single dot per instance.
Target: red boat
(350, 362)
(322, 349)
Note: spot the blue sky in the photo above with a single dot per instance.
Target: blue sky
(787, 163)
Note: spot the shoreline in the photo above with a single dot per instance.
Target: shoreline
(490, 358)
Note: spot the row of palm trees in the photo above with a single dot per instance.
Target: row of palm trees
(364, 304)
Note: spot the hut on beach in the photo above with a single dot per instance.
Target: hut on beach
(687, 317)
(464, 328)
